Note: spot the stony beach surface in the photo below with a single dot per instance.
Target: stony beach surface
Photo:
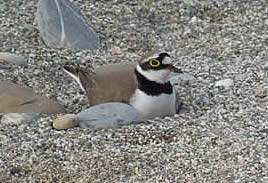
(221, 133)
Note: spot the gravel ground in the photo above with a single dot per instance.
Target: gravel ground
(221, 135)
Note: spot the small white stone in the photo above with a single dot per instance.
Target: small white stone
(194, 19)
(226, 83)
(203, 123)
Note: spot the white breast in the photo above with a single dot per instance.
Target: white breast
(153, 106)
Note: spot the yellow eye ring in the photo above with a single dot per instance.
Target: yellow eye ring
(154, 62)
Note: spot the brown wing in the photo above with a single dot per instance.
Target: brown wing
(110, 83)
(113, 84)
(86, 77)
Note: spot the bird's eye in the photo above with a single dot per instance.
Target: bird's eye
(154, 62)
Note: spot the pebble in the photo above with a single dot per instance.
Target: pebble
(116, 50)
(66, 121)
(13, 58)
(226, 83)
(109, 115)
(261, 92)
(56, 20)
(17, 118)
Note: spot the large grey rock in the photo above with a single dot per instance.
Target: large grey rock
(13, 58)
(62, 24)
(109, 115)
(17, 118)
(18, 99)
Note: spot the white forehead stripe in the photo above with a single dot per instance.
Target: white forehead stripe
(167, 60)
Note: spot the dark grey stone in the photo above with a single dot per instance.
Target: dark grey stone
(62, 24)
(109, 115)
(4, 67)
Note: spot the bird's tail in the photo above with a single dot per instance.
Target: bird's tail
(84, 78)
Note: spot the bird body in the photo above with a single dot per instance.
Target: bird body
(159, 106)
(145, 86)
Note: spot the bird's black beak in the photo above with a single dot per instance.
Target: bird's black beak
(172, 68)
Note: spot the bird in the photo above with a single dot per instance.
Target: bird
(144, 86)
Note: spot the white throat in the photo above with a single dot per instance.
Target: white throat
(160, 76)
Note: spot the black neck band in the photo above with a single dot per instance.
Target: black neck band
(151, 87)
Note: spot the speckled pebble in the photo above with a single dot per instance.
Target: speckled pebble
(261, 92)
(17, 118)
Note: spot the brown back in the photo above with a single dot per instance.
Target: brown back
(112, 83)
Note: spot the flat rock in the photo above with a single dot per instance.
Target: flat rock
(109, 115)
(17, 118)
(226, 83)
(13, 58)
(66, 121)
(61, 24)
(15, 98)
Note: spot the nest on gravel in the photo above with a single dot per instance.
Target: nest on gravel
(220, 135)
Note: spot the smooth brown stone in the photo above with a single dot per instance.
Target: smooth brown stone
(15, 98)
(66, 121)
